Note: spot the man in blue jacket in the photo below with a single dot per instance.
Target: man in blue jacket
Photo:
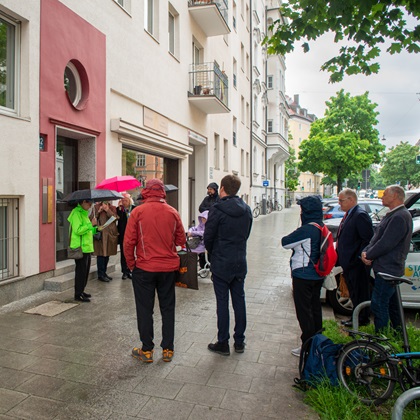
(227, 230)
(386, 253)
(305, 243)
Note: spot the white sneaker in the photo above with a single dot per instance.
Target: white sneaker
(296, 352)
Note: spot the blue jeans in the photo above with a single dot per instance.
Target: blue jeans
(385, 305)
(222, 288)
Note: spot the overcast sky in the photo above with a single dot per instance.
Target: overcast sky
(396, 88)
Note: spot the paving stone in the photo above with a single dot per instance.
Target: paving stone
(157, 387)
(11, 378)
(211, 413)
(37, 408)
(201, 394)
(162, 409)
(9, 399)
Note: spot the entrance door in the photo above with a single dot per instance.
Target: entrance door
(66, 182)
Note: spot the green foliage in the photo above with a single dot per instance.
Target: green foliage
(400, 165)
(345, 141)
(292, 173)
(360, 27)
(377, 181)
(336, 403)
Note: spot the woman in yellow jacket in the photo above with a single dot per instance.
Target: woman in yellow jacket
(82, 231)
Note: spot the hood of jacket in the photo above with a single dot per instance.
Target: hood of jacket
(311, 207)
(231, 205)
(201, 216)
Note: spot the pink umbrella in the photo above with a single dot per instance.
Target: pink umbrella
(119, 183)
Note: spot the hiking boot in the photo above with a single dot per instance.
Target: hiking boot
(220, 348)
(239, 348)
(144, 356)
(167, 355)
(296, 351)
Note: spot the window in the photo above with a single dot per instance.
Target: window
(235, 124)
(235, 70)
(9, 53)
(76, 84)
(173, 31)
(270, 82)
(140, 159)
(234, 15)
(225, 155)
(242, 110)
(242, 57)
(9, 238)
(151, 17)
(270, 126)
(216, 151)
(125, 4)
(242, 162)
(247, 114)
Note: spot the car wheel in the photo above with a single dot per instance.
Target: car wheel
(341, 305)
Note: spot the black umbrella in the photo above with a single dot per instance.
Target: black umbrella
(94, 195)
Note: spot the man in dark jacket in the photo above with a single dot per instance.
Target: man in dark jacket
(353, 236)
(305, 242)
(386, 253)
(211, 199)
(227, 230)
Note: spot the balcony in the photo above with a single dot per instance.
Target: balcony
(209, 88)
(211, 16)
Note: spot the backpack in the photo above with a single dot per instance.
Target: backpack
(318, 361)
(328, 256)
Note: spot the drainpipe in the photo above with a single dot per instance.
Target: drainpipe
(251, 99)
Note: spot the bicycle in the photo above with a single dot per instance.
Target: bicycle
(277, 206)
(257, 210)
(370, 367)
(204, 272)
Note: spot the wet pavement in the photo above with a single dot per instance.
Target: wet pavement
(77, 364)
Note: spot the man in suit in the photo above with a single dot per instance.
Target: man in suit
(353, 236)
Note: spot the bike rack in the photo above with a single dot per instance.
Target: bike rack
(356, 311)
(402, 401)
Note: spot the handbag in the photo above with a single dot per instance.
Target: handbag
(344, 291)
(74, 253)
(97, 236)
(194, 241)
(329, 282)
(186, 275)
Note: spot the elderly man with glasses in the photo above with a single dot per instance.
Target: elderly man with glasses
(354, 234)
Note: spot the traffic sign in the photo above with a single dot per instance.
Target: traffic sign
(266, 183)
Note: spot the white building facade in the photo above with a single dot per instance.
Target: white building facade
(169, 89)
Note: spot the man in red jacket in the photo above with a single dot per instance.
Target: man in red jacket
(153, 232)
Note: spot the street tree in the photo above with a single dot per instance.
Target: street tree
(292, 173)
(344, 142)
(360, 28)
(400, 165)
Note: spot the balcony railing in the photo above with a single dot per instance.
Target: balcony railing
(212, 16)
(208, 81)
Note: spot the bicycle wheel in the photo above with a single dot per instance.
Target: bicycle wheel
(256, 212)
(279, 207)
(269, 209)
(365, 371)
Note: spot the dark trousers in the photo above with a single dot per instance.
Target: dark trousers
(358, 282)
(385, 305)
(81, 274)
(222, 288)
(145, 283)
(102, 263)
(306, 295)
(124, 267)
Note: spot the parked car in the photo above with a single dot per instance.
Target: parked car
(410, 294)
(333, 209)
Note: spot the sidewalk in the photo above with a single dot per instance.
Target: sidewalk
(77, 364)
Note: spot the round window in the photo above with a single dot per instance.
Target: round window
(76, 84)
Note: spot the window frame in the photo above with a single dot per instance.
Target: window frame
(12, 87)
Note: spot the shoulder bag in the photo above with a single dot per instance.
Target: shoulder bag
(74, 253)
